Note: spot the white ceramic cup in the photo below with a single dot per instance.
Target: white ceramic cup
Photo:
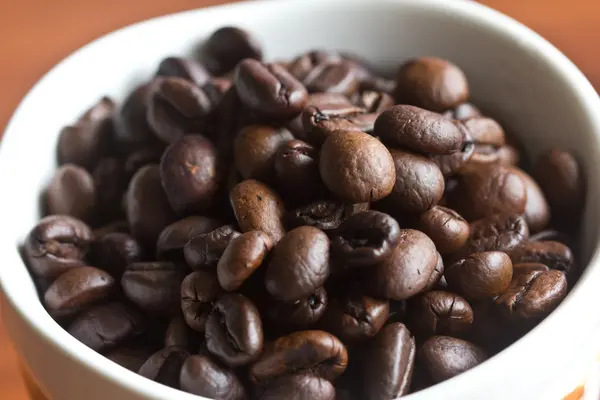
(514, 74)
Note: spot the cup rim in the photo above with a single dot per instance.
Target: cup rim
(561, 320)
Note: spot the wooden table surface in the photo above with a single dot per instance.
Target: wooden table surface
(36, 34)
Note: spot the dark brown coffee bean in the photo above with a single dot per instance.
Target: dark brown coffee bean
(204, 377)
(185, 68)
(110, 184)
(198, 292)
(205, 250)
(302, 65)
(316, 351)
(552, 235)
(440, 313)
(148, 210)
(191, 174)
(299, 264)
(432, 83)
(174, 237)
(234, 331)
(365, 239)
(241, 258)
(269, 89)
(320, 123)
(301, 313)
(164, 366)
(357, 167)
(373, 101)
(419, 130)
(533, 292)
(227, 46)
(555, 255)
(407, 271)
(485, 131)
(129, 357)
(132, 131)
(140, 158)
(255, 148)
(332, 77)
(179, 334)
(537, 210)
(379, 84)
(56, 244)
(444, 357)
(258, 207)
(153, 286)
(299, 387)
(72, 192)
(115, 251)
(390, 362)
(456, 163)
(297, 171)
(324, 214)
(326, 103)
(77, 288)
(448, 230)
(436, 279)
(105, 326)
(480, 275)
(463, 111)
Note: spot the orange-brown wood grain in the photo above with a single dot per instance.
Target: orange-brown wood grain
(36, 34)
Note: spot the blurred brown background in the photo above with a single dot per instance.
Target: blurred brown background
(36, 34)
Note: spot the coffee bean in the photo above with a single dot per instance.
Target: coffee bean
(132, 131)
(164, 366)
(380, 84)
(463, 111)
(440, 313)
(390, 362)
(332, 77)
(205, 250)
(480, 275)
(119, 226)
(110, 184)
(140, 158)
(448, 230)
(374, 101)
(129, 357)
(115, 251)
(302, 65)
(185, 68)
(555, 255)
(485, 131)
(323, 214)
(537, 210)
(297, 171)
(459, 161)
(299, 387)
(299, 264)
(174, 237)
(320, 123)
(301, 313)
(227, 46)
(436, 279)
(72, 192)
(179, 334)
(204, 377)
(199, 290)
(444, 357)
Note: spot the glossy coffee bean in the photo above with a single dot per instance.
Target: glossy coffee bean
(258, 207)
(227, 46)
(299, 264)
(432, 83)
(129, 357)
(302, 65)
(319, 352)
(106, 326)
(436, 279)
(72, 192)
(204, 377)
(374, 101)
(319, 124)
(448, 230)
(175, 236)
(205, 250)
(113, 252)
(241, 258)
(132, 131)
(255, 148)
(164, 366)
(297, 171)
(390, 362)
(191, 174)
(463, 111)
(485, 131)
(533, 292)
(357, 167)
(176, 107)
(77, 288)
(323, 214)
(537, 210)
(301, 313)
(365, 239)
(148, 210)
(553, 254)
(332, 77)
(56, 244)
(419, 130)
(299, 387)
(199, 290)
(269, 89)
(444, 357)
(326, 103)
(440, 313)
(407, 271)
(456, 163)
(153, 286)
(480, 275)
(185, 68)
(179, 334)
(234, 332)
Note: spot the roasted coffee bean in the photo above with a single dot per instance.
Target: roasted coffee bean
(302, 65)
(269, 89)
(324, 214)
(129, 357)
(114, 251)
(320, 123)
(463, 111)
(299, 387)
(174, 237)
(77, 288)
(185, 68)
(234, 332)
(455, 163)
(432, 83)
(255, 148)
(373, 101)
(140, 158)
(378, 84)
(105, 326)
(204, 377)
(153, 286)
(407, 271)
(357, 167)
(57, 243)
(191, 174)
(205, 250)
(148, 210)
(316, 351)
(419, 130)
(444, 357)
(179, 334)
(436, 279)
(297, 171)
(110, 184)
(448, 230)
(301, 313)
(390, 362)
(227, 46)
(480, 275)
(326, 103)
(551, 235)
(258, 207)
(176, 107)
(299, 264)
(199, 290)
(537, 210)
(241, 258)
(164, 366)
(485, 131)
(555, 255)
(533, 292)
(72, 192)
(440, 313)
(365, 239)
(132, 131)
(332, 77)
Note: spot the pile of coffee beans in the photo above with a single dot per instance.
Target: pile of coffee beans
(308, 229)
